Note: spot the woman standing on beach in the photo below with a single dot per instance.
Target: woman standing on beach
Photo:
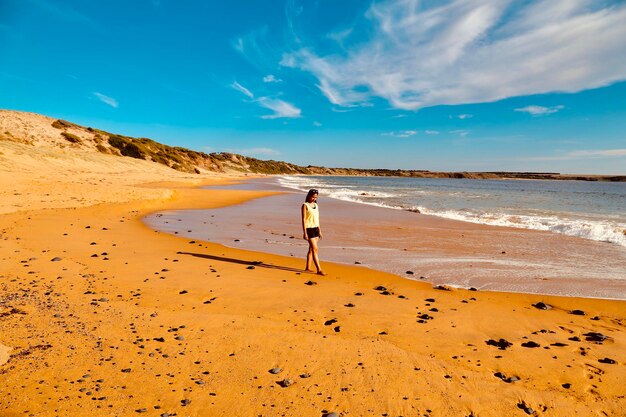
(311, 230)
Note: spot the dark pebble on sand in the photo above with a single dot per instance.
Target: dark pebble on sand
(183, 292)
(385, 293)
(305, 375)
(250, 267)
(409, 272)
(55, 259)
(574, 339)
(566, 385)
(159, 339)
(184, 402)
(558, 344)
(349, 305)
(275, 371)
(285, 383)
(329, 322)
(337, 329)
(542, 306)
(358, 294)
(525, 407)
(179, 338)
(103, 300)
(126, 370)
(607, 360)
(530, 344)
(333, 414)
(441, 288)
(502, 344)
(310, 283)
(595, 337)
(141, 410)
(380, 288)
(577, 312)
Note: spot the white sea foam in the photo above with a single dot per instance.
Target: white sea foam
(602, 231)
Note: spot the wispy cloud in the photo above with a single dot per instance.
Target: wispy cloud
(271, 79)
(106, 100)
(401, 133)
(583, 154)
(539, 110)
(422, 54)
(280, 108)
(317, 124)
(431, 132)
(460, 132)
(464, 116)
(242, 89)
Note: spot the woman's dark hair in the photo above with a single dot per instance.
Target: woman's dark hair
(310, 194)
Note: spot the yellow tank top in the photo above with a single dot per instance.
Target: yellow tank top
(311, 215)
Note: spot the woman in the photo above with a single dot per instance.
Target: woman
(311, 230)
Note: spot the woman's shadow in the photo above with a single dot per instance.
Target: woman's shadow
(241, 261)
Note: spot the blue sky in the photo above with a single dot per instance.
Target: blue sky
(438, 85)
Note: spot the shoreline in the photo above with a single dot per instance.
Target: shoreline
(157, 324)
(505, 259)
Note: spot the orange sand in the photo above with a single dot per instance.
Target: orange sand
(85, 331)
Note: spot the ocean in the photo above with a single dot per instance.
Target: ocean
(545, 237)
(589, 210)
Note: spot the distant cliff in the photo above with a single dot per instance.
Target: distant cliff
(37, 130)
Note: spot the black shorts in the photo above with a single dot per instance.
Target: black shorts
(313, 232)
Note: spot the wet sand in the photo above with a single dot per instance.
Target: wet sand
(432, 249)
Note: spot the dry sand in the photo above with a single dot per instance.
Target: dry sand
(106, 317)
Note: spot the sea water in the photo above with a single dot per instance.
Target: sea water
(590, 210)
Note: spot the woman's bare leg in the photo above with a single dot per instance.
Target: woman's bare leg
(309, 258)
(314, 250)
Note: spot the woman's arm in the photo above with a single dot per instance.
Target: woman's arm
(303, 210)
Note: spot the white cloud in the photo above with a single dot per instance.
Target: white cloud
(598, 152)
(401, 133)
(243, 90)
(279, 107)
(422, 54)
(271, 79)
(106, 100)
(539, 110)
(431, 132)
(583, 154)
(465, 116)
(460, 132)
(317, 124)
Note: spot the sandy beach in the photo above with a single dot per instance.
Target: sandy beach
(101, 315)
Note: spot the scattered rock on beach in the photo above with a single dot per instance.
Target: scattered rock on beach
(275, 371)
(595, 337)
(380, 288)
(285, 383)
(542, 306)
(607, 360)
(55, 259)
(530, 344)
(525, 407)
(577, 312)
(330, 322)
(501, 344)
(310, 283)
(409, 272)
